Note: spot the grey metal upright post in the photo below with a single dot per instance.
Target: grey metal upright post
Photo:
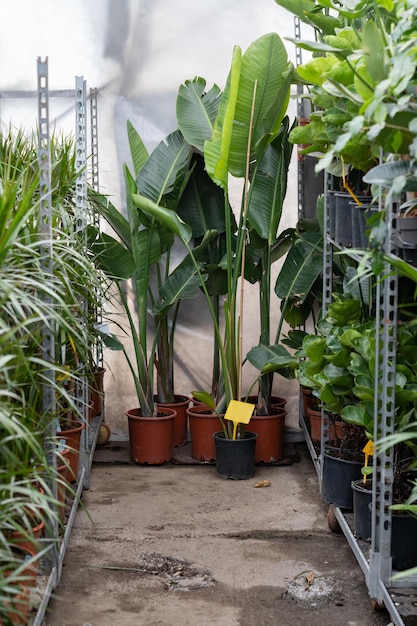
(81, 223)
(46, 243)
(384, 410)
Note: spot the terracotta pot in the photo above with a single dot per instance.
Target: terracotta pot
(314, 424)
(19, 604)
(180, 406)
(270, 430)
(151, 437)
(203, 425)
(96, 390)
(309, 401)
(72, 436)
(28, 538)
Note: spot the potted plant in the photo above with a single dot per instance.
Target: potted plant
(144, 247)
(241, 143)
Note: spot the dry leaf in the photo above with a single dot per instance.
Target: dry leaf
(263, 483)
(310, 579)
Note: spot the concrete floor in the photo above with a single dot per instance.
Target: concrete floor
(176, 545)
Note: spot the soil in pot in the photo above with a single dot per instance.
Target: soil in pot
(151, 437)
(180, 406)
(235, 458)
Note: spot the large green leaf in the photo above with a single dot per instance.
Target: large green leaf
(202, 205)
(301, 268)
(164, 175)
(110, 255)
(197, 110)
(373, 46)
(167, 217)
(112, 216)
(216, 151)
(269, 186)
(138, 150)
(272, 359)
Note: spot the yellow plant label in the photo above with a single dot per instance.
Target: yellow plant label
(369, 449)
(239, 412)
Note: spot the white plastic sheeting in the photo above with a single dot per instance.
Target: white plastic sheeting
(137, 53)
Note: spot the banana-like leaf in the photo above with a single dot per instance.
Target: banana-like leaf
(269, 186)
(182, 284)
(112, 216)
(138, 150)
(164, 174)
(301, 268)
(111, 256)
(216, 151)
(166, 216)
(202, 205)
(197, 110)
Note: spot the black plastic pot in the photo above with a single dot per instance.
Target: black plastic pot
(235, 458)
(403, 542)
(337, 477)
(359, 216)
(362, 514)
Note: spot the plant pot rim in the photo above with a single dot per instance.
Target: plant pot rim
(248, 435)
(163, 414)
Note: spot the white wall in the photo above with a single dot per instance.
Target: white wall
(136, 53)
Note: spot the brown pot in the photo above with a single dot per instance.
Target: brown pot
(72, 436)
(314, 423)
(96, 390)
(151, 437)
(309, 401)
(19, 603)
(270, 430)
(28, 538)
(203, 424)
(180, 406)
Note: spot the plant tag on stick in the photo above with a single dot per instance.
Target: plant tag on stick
(368, 451)
(239, 413)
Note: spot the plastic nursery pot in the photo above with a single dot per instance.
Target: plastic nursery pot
(235, 458)
(338, 475)
(362, 503)
(151, 437)
(180, 406)
(72, 436)
(203, 424)
(96, 391)
(270, 430)
(18, 607)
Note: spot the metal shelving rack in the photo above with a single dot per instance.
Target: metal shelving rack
(57, 545)
(397, 596)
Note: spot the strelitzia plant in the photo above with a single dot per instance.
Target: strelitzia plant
(240, 143)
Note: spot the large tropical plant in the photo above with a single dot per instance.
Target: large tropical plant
(143, 252)
(247, 140)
